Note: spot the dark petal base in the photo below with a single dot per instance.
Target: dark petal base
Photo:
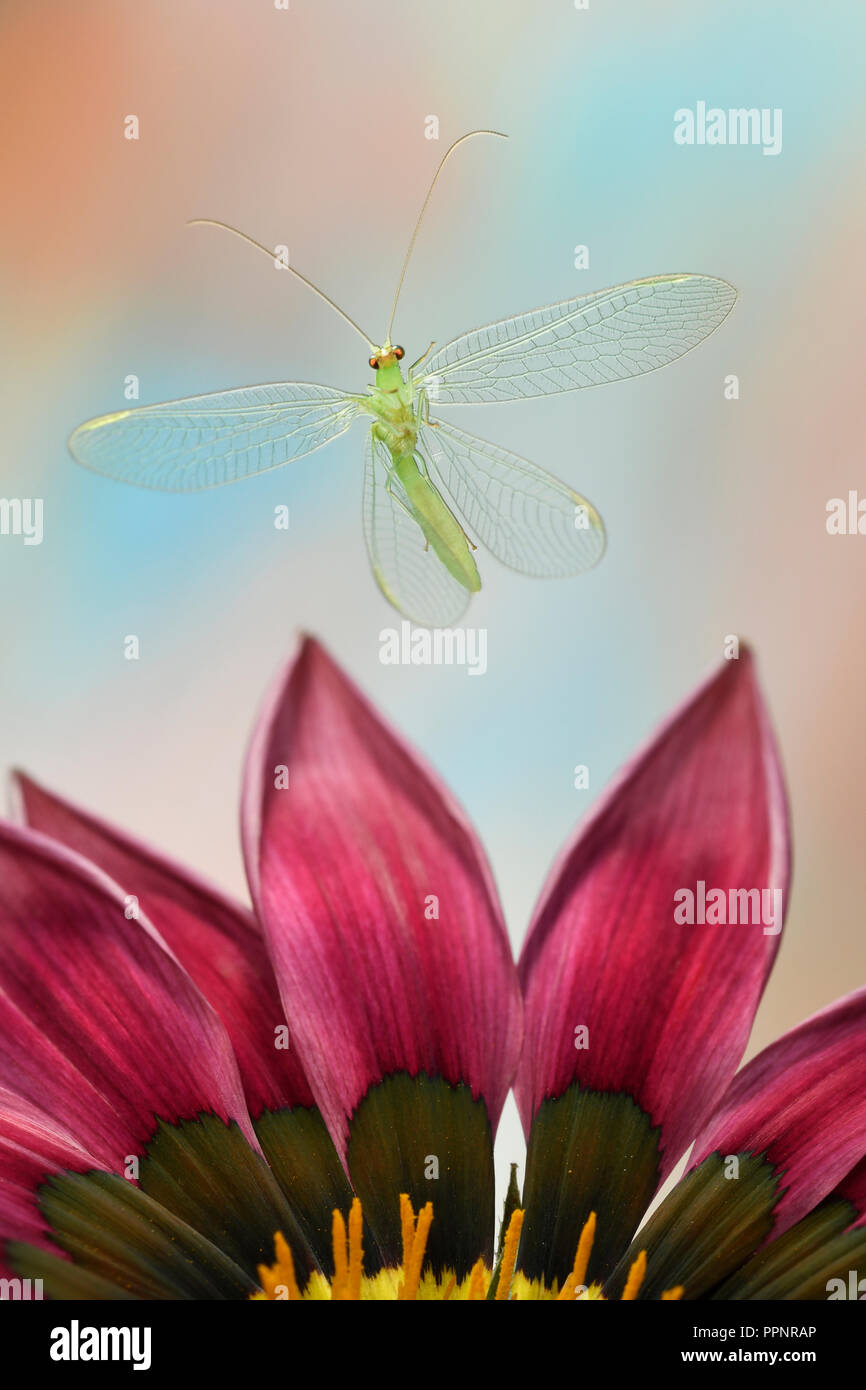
(588, 1151)
(707, 1227)
(116, 1234)
(206, 1173)
(399, 1128)
(801, 1263)
(307, 1167)
(201, 1219)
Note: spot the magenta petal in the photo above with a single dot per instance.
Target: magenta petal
(218, 942)
(104, 1029)
(668, 1006)
(343, 865)
(802, 1101)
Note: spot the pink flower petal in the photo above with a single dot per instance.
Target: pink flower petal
(668, 1006)
(218, 942)
(103, 1028)
(802, 1102)
(347, 867)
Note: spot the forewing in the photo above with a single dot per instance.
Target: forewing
(524, 516)
(410, 574)
(601, 337)
(204, 441)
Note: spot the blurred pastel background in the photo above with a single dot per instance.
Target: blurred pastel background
(306, 127)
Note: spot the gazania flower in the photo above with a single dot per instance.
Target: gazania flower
(199, 1101)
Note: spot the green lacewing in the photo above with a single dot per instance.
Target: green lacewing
(428, 485)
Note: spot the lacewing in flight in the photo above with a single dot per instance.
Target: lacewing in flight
(428, 485)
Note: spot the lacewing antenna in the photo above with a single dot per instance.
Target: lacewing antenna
(449, 151)
(211, 222)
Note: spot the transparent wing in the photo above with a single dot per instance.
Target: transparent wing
(524, 516)
(204, 441)
(601, 337)
(410, 575)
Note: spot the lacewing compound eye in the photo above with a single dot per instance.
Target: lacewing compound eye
(399, 354)
(374, 363)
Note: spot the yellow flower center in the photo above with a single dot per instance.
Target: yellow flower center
(411, 1282)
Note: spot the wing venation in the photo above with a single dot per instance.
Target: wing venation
(527, 518)
(607, 336)
(204, 441)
